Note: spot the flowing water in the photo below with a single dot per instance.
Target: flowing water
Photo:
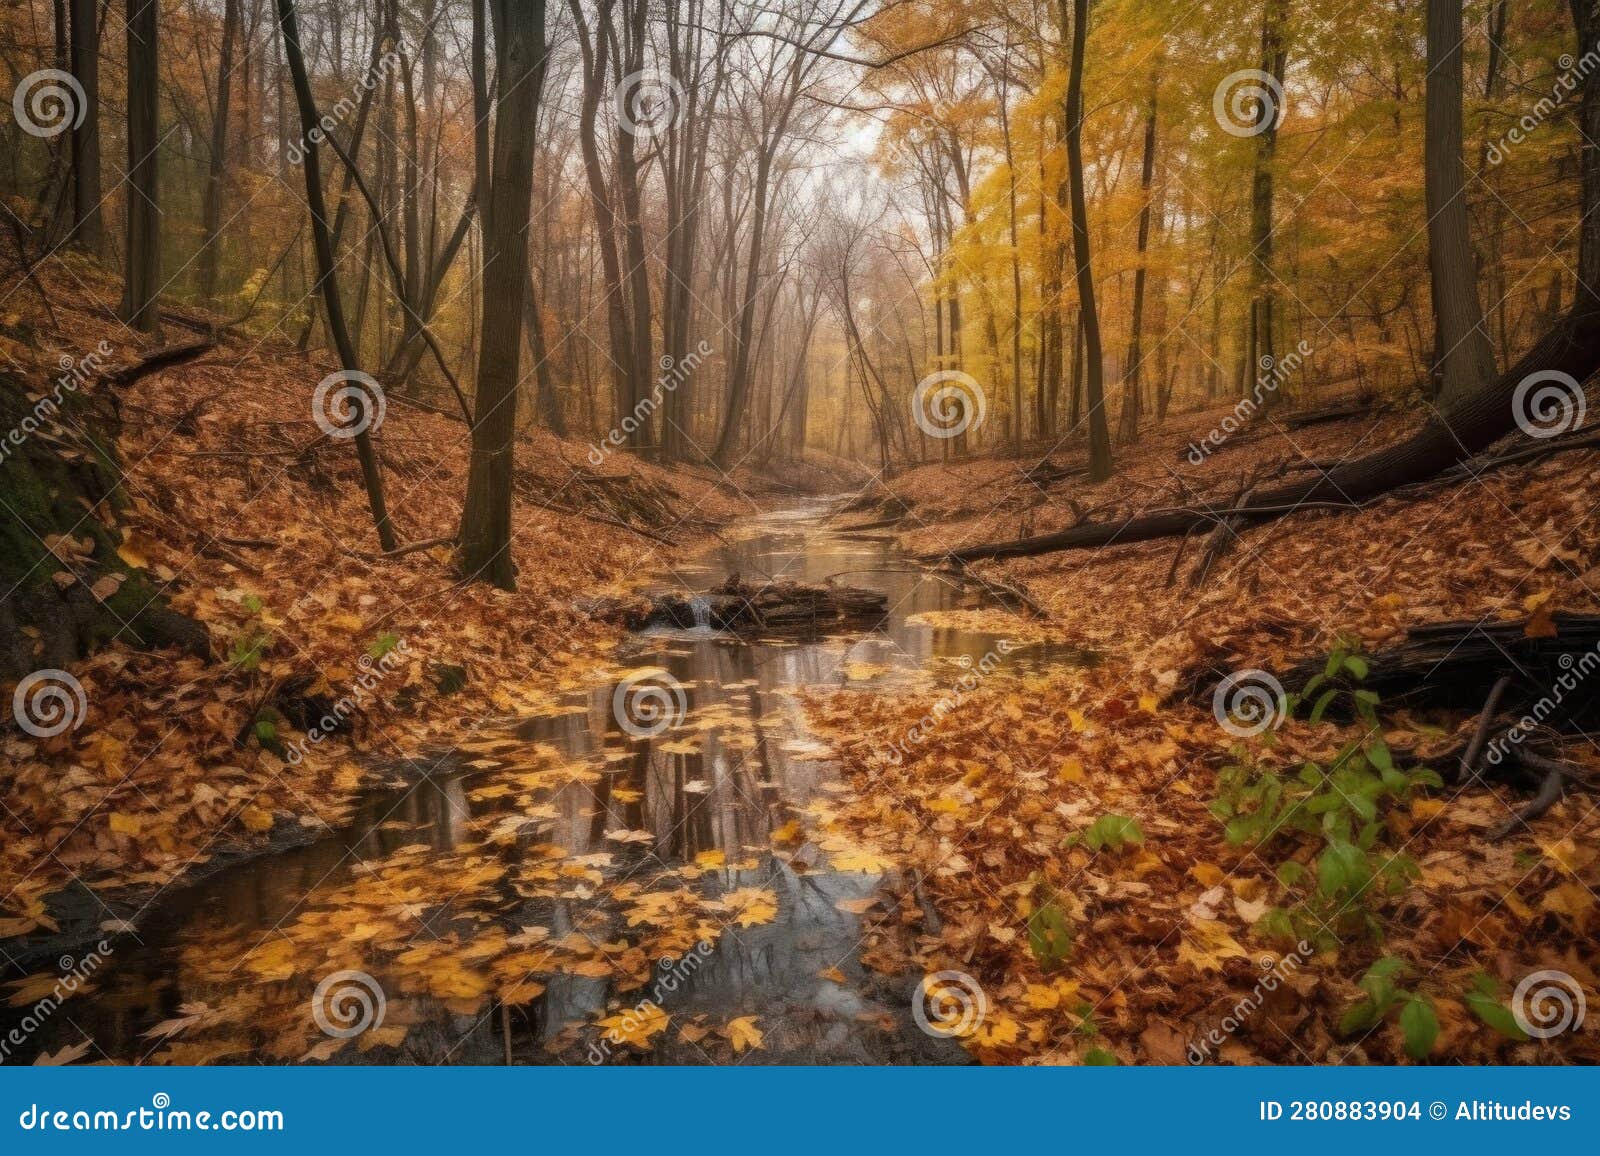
(750, 774)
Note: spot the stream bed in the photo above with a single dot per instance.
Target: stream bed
(723, 797)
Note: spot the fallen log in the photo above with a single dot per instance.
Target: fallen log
(773, 608)
(1571, 349)
(160, 359)
(1300, 419)
(1460, 665)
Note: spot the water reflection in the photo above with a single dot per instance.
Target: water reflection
(727, 789)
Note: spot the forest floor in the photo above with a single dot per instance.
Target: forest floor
(993, 805)
(1164, 934)
(258, 528)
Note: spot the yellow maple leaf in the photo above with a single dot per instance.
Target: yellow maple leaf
(273, 959)
(743, 1034)
(1565, 854)
(860, 859)
(1207, 874)
(1041, 998)
(636, 1025)
(750, 906)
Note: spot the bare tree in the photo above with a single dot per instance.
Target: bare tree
(142, 253)
(520, 58)
(88, 226)
(211, 213)
(327, 273)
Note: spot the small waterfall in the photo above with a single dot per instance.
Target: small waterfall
(701, 609)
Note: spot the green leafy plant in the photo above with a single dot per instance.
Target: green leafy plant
(1049, 935)
(1483, 998)
(1113, 832)
(1340, 806)
(247, 650)
(1419, 1025)
(265, 729)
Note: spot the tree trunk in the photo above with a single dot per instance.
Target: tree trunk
(211, 212)
(595, 54)
(327, 272)
(88, 226)
(142, 265)
(1262, 353)
(519, 77)
(1464, 359)
(1094, 365)
(548, 400)
(1133, 370)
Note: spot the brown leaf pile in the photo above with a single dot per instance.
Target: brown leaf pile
(257, 526)
(987, 807)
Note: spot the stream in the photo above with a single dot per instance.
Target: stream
(751, 772)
